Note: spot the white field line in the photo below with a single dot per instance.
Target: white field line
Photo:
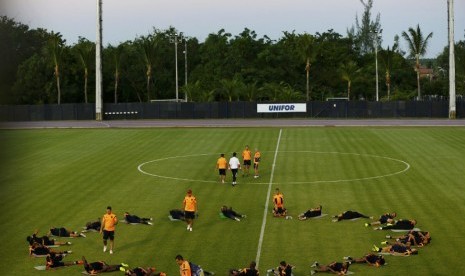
(265, 211)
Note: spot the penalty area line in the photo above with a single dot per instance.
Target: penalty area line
(265, 211)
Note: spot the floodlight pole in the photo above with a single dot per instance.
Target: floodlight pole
(98, 64)
(185, 67)
(176, 63)
(452, 100)
(376, 64)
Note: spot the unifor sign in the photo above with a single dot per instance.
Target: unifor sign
(281, 108)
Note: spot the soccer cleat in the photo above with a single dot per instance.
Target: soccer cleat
(312, 272)
(151, 218)
(237, 219)
(124, 265)
(111, 251)
(366, 224)
(222, 181)
(68, 252)
(188, 226)
(244, 216)
(82, 235)
(190, 229)
(375, 248)
(122, 269)
(315, 264)
(270, 271)
(389, 224)
(348, 258)
(149, 223)
(384, 242)
(388, 236)
(104, 248)
(68, 243)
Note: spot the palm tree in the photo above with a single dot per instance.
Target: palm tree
(386, 58)
(116, 55)
(417, 46)
(348, 71)
(307, 49)
(86, 52)
(148, 47)
(55, 50)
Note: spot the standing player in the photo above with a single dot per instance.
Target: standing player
(109, 221)
(256, 162)
(189, 207)
(246, 157)
(222, 165)
(234, 165)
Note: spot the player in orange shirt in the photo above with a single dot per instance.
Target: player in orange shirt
(190, 208)
(109, 221)
(246, 157)
(256, 161)
(278, 200)
(222, 166)
(184, 266)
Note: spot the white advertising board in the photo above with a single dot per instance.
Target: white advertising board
(281, 108)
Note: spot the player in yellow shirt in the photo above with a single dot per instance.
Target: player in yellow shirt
(247, 160)
(190, 208)
(256, 161)
(109, 221)
(222, 166)
(278, 201)
(184, 266)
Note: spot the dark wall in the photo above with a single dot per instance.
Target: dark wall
(229, 110)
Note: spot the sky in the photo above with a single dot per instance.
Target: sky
(127, 19)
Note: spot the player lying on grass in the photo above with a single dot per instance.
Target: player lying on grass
(45, 240)
(397, 249)
(311, 213)
(412, 238)
(141, 271)
(177, 214)
(334, 267)
(282, 270)
(101, 266)
(403, 224)
(63, 232)
(248, 271)
(370, 259)
(349, 215)
(135, 219)
(93, 226)
(383, 219)
(38, 249)
(230, 213)
(55, 260)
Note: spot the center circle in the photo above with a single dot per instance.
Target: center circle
(386, 166)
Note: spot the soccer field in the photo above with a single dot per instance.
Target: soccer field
(67, 177)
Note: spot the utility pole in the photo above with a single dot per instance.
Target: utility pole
(98, 64)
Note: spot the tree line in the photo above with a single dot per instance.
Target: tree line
(39, 67)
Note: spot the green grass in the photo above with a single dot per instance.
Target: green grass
(66, 177)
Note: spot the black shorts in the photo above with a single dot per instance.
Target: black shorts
(57, 264)
(222, 171)
(189, 215)
(279, 210)
(108, 235)
(247, 162)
